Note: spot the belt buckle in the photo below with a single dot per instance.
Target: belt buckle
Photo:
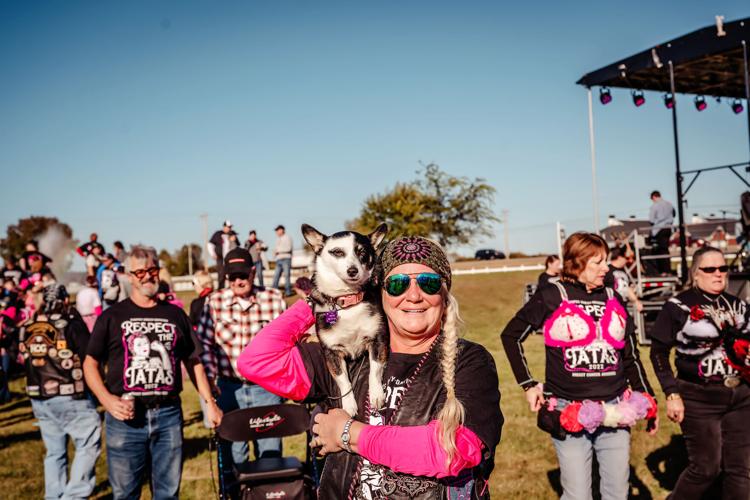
(731, 381)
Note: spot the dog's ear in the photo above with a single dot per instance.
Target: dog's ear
(315, 238)
(376, 237)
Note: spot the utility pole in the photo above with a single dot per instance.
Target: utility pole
(190, 259)
(505, 233)
(204, 218)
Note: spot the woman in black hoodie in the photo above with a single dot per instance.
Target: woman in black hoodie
(710, 397)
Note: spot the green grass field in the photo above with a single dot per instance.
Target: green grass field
(525, 468)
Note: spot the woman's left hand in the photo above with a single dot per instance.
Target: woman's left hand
(328, 428)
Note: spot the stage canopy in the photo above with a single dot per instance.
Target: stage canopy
(707, 62)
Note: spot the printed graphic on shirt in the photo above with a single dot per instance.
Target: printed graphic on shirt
(622, 283)
(598, 358)
(149, 356)
(714, 365)
(371, 476)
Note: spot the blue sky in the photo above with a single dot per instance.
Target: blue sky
(132, 118)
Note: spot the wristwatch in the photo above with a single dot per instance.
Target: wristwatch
(345, 436)
(673, 396)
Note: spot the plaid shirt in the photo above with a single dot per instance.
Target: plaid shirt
(225, 327)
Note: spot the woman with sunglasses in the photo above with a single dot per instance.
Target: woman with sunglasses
(595, 387)
(437, 432)
(710, 396)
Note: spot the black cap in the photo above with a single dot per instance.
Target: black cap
(238, 260)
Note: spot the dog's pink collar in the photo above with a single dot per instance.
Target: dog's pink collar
(349, 300)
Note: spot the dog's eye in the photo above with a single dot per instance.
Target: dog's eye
(337, 252)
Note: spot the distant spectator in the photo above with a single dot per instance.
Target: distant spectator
(109, 285)
(551, 272)
(219, 245)
(32, 249)
(92, 251)
(119, 251)
(303, 286)
(88, 303)
(282, 253)
(166, 295)
(12, 272)
(618, 278)
(203, 285)
(256, 248)
(661, 217)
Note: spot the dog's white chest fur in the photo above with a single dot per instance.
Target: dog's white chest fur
(354, 325)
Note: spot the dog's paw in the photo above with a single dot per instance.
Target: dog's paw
(349, 404)
(377, 397)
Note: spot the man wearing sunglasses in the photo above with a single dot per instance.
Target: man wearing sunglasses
(144, 342)
(230, 320)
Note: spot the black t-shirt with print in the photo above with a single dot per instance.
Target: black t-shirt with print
(143, 348)
(597, 371)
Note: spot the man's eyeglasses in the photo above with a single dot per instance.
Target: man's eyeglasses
(141, 273)
(397, 284)
(238, 276)
(713, 269)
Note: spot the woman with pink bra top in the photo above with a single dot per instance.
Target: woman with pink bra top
(595, 388)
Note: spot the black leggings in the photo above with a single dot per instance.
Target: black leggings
(716, 429)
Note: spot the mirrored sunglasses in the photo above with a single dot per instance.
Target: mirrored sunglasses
(397, 284)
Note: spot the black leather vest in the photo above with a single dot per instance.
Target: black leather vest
(418, 407)
(53, 368)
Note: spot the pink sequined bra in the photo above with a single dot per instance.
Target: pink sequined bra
(571, 326)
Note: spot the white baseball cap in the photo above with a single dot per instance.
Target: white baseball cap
(228, 223)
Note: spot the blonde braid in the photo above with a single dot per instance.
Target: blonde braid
(452, 413)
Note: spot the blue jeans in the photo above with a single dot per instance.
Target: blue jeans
(259, 272)
(235, 395)
(60, 417)
(574, 453)
(154, 434)
(286, 266)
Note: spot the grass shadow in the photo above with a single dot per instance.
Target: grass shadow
(15, 404)
(11, 439)
(16, 419)
(195, 446)
(668, 462)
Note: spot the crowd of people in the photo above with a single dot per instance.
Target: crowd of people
(436, 435)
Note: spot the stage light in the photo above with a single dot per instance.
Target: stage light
(638, 98)
(604, 96)
(737, 106)
(700, 103)
(668, 101)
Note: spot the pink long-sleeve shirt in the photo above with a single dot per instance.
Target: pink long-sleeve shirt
(272, 361)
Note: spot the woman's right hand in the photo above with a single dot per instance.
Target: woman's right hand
(675, 410)
(535, 397)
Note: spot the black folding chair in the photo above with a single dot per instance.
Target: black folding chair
(269, 477)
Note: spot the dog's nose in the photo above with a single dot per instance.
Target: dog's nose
(352, 272)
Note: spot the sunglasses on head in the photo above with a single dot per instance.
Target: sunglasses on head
(141, 273)
(238, 276)
(713, 269)
(397, 284)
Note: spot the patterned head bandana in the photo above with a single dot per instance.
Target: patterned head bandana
(415, 250)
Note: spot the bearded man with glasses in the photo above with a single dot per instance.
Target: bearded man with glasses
(144, 342)
(229, 321)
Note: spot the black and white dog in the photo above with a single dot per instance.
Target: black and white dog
(348, 314)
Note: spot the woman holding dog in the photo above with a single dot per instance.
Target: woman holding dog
(596, 388)
(710, 396)
(436, 435)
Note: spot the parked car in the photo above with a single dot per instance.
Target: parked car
(489, 254)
